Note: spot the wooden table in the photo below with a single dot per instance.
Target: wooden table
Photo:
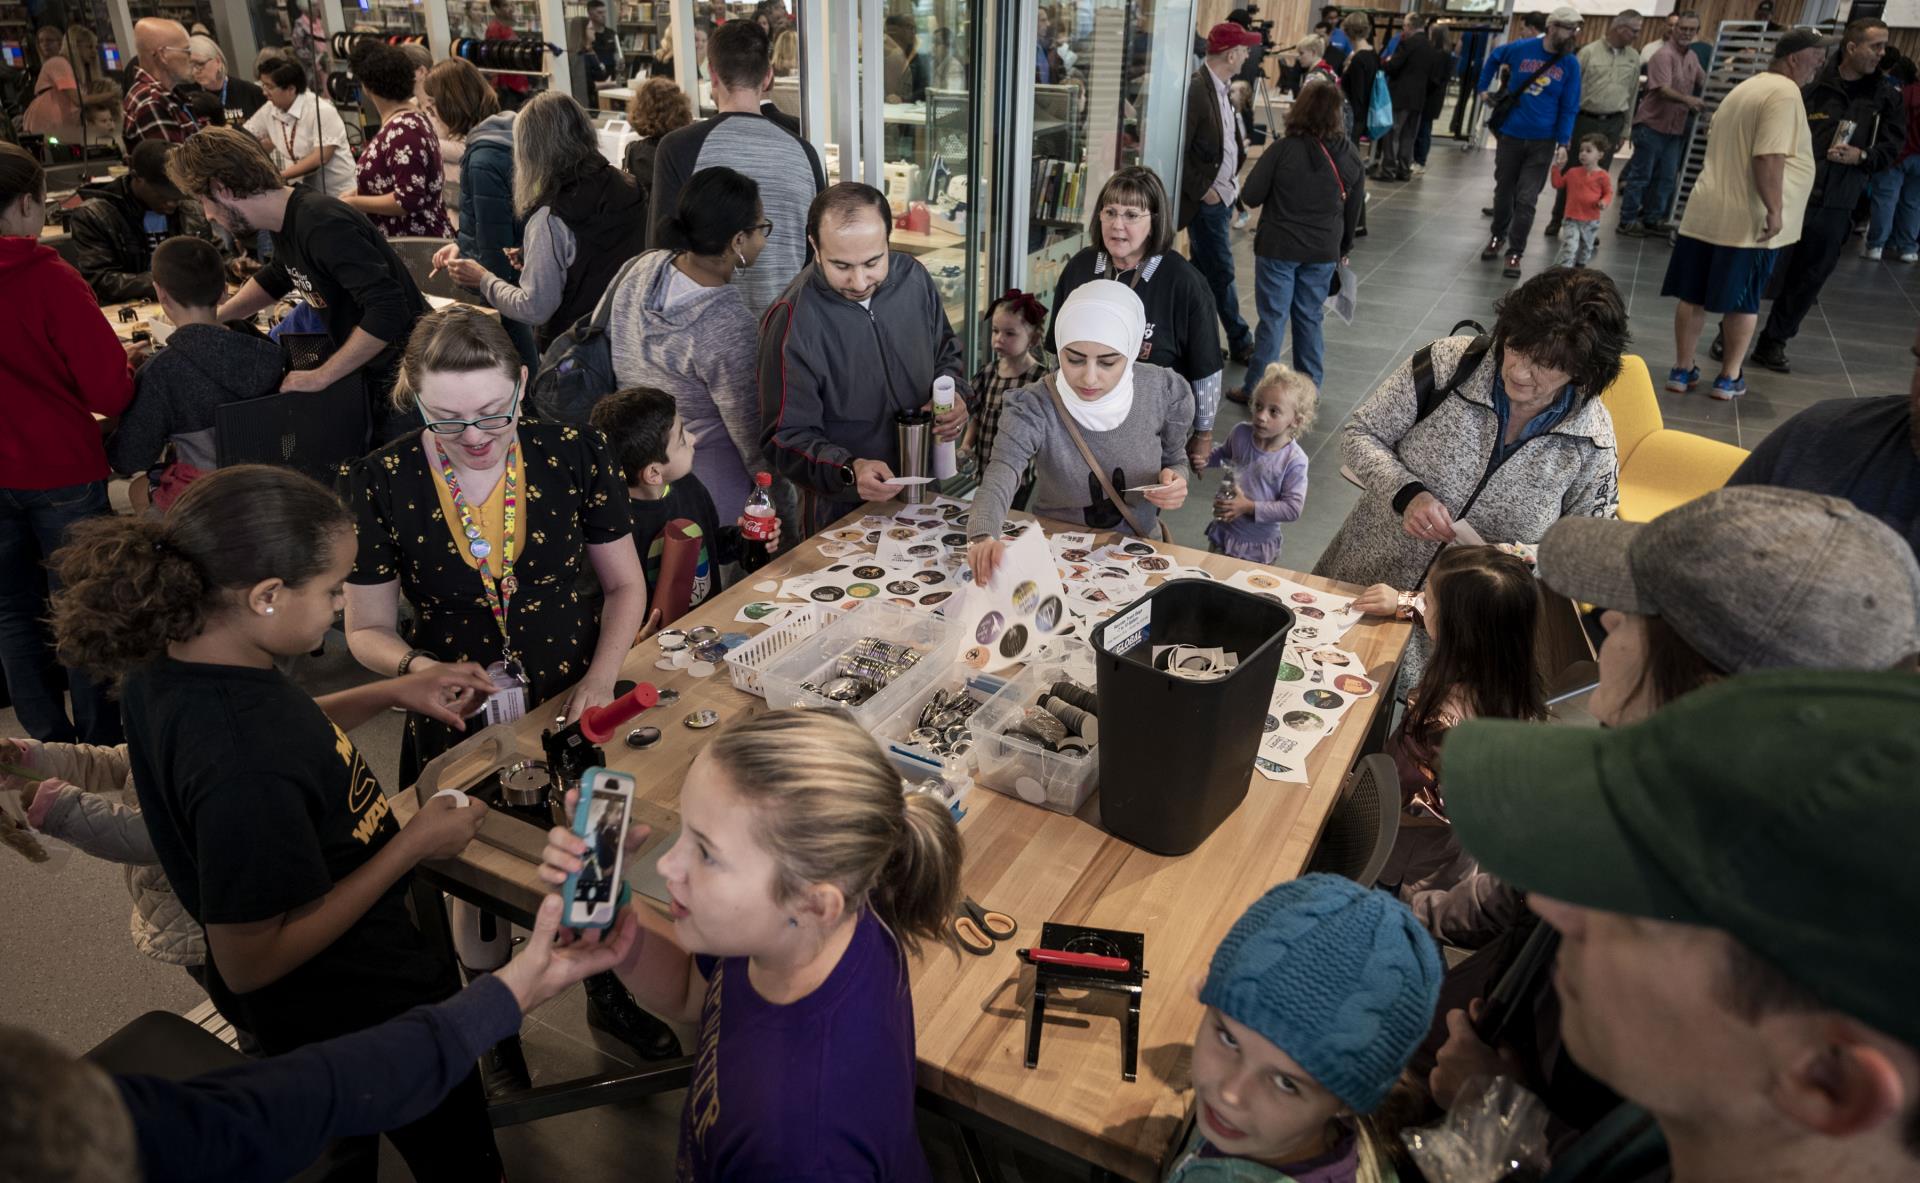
(1037, 866)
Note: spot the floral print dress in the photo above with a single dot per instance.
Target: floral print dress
(572, 496)
(403, 158)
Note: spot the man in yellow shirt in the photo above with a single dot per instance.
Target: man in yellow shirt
(1746, 205)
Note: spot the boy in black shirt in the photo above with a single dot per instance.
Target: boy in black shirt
(655, 452)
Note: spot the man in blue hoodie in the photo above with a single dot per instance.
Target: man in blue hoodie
(1532, 114)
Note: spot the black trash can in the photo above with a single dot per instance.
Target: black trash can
(1176, 754)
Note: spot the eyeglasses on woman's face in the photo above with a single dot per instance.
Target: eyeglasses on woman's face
(1124, 215)
(483, 423)
(764, 228)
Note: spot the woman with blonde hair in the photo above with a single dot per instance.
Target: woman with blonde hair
(584, 220)
(802, 884)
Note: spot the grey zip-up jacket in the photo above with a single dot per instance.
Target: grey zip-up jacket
(1570, 470)
(834, 373)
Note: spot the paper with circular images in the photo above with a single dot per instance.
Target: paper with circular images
(1312, 688)
(1022, 605)
(1319, 616)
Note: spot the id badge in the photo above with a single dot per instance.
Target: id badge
(508, 703)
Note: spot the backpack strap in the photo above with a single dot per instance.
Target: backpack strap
(1427, 395)
(602, 315)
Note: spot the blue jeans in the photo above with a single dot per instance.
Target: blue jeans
(1424, 145)
(1896, 207)
(1212, 253)
(33, 524)
(1289, 293)
(1646, 188)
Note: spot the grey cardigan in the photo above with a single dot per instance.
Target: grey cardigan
(1153, 436)
(1571, 470)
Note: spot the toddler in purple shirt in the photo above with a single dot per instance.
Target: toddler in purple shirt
(1269, 467)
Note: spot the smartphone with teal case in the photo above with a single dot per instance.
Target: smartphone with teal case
(593, 893)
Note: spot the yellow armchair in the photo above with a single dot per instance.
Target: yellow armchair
(1659, 467)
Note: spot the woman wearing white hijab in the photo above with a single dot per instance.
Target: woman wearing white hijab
(1134, 418)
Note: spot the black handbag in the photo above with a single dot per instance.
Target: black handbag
(1509, 100)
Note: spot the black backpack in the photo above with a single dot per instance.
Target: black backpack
(1427, 395)
(576, 372)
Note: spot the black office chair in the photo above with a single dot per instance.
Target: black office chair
(310, 431)
(1364, 823)
(305, 351)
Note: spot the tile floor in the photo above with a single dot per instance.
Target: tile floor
(69, 971)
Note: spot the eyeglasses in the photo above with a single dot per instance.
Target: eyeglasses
(765, 228)
(1126, 217)
(484, 423)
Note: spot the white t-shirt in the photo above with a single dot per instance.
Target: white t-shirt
(293, 134)
(1763, 116)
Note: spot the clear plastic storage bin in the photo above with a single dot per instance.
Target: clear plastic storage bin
(1019, 767)
(919, 760)
(813, 659)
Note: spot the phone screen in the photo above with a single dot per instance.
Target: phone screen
(596, 888)
(13, 55)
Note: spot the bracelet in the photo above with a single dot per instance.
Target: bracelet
(406, 663)
(1403, 607)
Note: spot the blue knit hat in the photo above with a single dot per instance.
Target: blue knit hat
(1342, 979)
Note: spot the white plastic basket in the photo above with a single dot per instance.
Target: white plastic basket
(746, 663)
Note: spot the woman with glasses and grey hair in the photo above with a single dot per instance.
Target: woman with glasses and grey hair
(584, 220)
(1132, 242)
(681, 325)
(237, 97)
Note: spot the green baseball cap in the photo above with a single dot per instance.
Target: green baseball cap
(1777, 807)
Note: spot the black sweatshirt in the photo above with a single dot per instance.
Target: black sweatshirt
(348, 272)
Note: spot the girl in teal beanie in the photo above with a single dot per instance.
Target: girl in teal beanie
(1315, 1001)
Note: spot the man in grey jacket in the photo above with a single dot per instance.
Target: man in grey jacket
(857, 338)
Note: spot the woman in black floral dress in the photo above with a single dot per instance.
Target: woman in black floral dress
(482, 521)
(533, 500)
(400, 181)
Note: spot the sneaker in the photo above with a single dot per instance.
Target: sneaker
(612, 1010)
(1417, 169)
(1552, 230)
(1492, 250)
(1241, 219)
(1632, 230)
(1727, 389)
(1910, 256)
(1512, 269)
(1871, 252)
(1680, 381)
(1772, 355)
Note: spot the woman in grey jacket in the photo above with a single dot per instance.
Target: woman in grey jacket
(680, 325)
(1517, 444)
(1134, 417)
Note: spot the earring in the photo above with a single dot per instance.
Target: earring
(740, 256)
(269, 609)
(793, 922)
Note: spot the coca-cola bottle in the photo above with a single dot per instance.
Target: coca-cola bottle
(758, 525)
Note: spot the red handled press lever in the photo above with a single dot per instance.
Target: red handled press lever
(598, 723)
(1075, 960)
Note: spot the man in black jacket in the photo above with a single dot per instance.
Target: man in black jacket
(1213, 152)
(120, 222)
(1849, 93)
(1413, 65)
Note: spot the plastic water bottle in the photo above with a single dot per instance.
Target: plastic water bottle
(760, 526)
(1227, 491)
(945, 463)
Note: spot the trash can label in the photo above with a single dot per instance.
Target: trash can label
(1131, 627)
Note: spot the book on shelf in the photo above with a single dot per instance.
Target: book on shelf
(1057, 189)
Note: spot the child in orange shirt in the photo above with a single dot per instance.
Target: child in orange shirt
(1588, 188)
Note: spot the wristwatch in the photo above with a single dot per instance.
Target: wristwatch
(847, 475)
(406, 662)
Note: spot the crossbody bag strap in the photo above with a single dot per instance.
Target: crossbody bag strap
(1335, 168)
(1093, 466)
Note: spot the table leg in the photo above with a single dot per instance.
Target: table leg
(1130, 1038)
(1036, 1014)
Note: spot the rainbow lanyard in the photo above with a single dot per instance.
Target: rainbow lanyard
(499, 592)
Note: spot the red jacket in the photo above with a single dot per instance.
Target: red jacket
(63, 364)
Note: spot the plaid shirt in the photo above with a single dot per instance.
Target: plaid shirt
(152, 113)
(993, 390)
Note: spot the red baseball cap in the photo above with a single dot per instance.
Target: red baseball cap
(1226, 35)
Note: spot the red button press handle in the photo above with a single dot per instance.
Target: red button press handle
(1076, 960)
(598, 723)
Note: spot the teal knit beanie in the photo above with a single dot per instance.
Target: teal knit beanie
(1342, 979)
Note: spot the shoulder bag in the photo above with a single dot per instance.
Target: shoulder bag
(1093, 466)
(1510, 98)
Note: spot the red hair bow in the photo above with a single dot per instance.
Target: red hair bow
(1023, 303)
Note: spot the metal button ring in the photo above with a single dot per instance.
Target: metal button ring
(643, 737)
